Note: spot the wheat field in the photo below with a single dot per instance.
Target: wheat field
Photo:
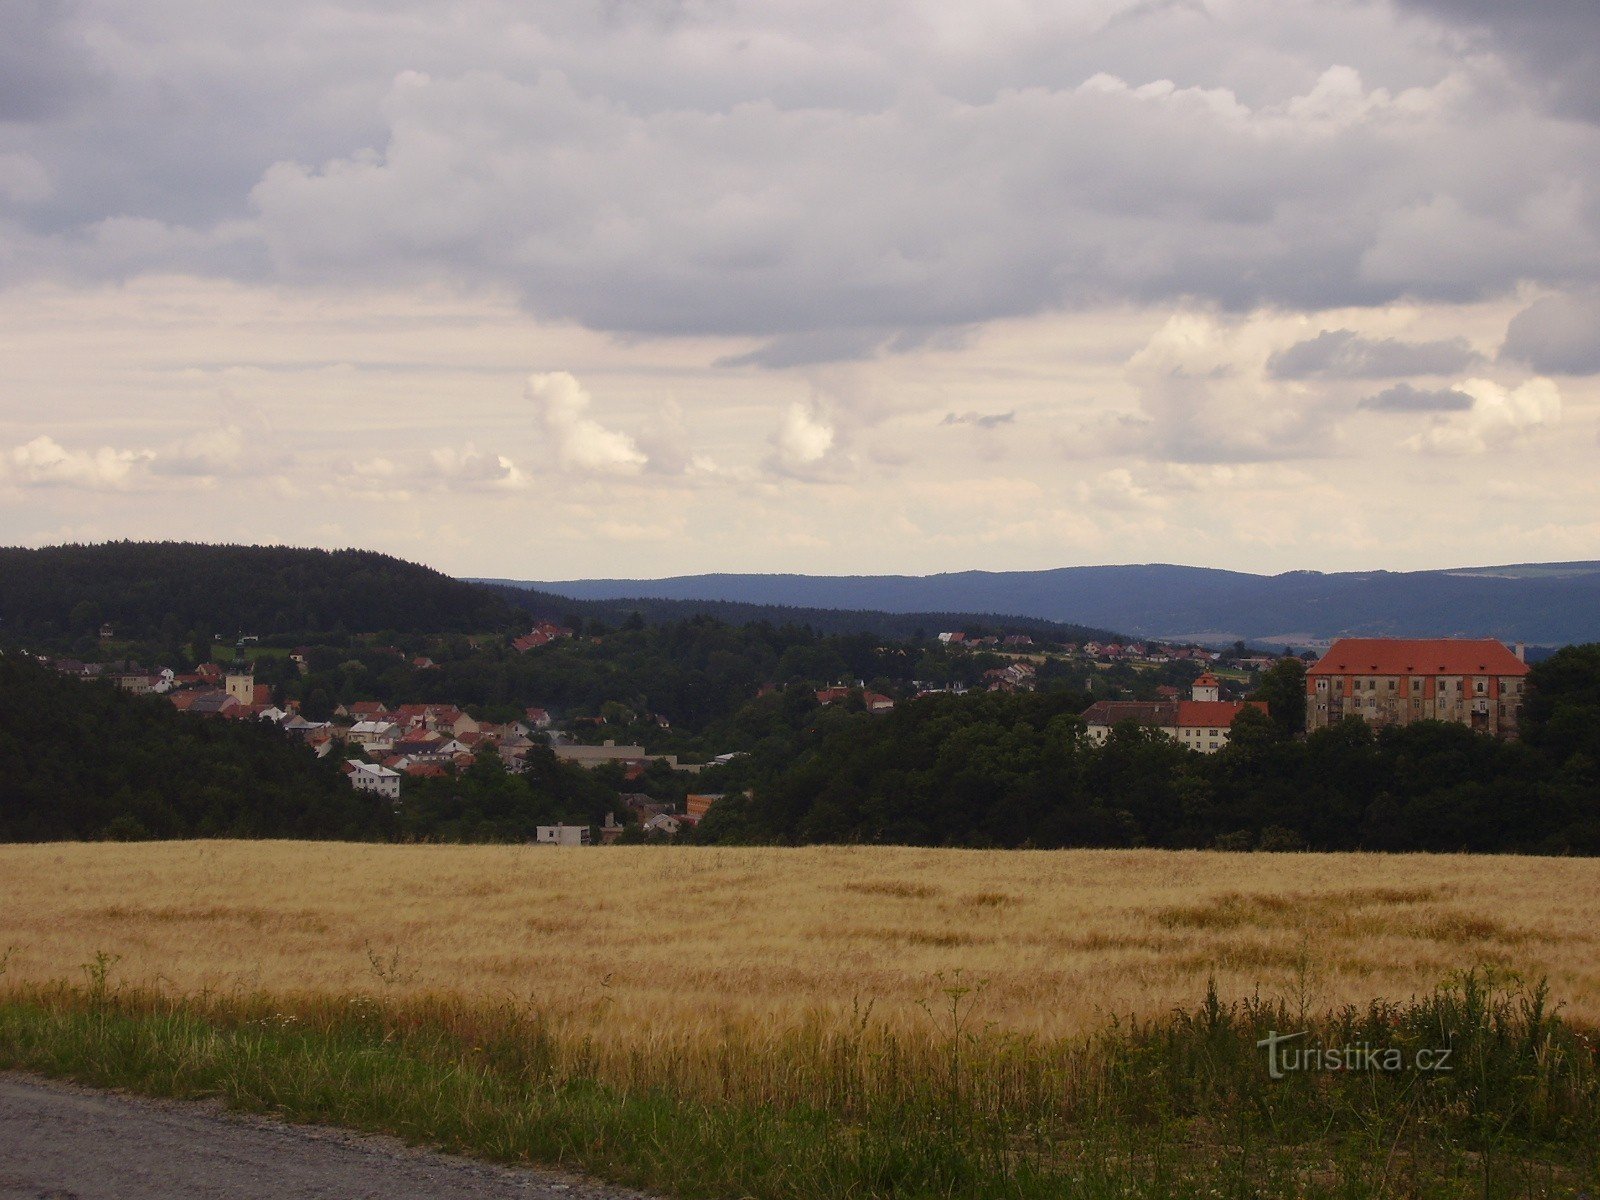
(654, 938)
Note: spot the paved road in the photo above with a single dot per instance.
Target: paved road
(63, 1142)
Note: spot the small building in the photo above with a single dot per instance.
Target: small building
(698, 805)
(562, 835)
(369, 777)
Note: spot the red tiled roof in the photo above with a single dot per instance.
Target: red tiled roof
(1110, 712)
(1213, 714)
(1419, 656)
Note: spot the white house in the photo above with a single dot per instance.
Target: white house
(369, 777)
(562, 835)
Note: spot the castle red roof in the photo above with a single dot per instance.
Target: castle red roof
(1419, 656)
(1213, 714)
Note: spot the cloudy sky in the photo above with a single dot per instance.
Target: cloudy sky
(637, 287)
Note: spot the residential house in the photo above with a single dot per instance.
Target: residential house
(698, 805)
(374, 735)
(370, 777)
(562, 835)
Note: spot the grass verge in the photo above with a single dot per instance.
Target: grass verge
(1180, 1106)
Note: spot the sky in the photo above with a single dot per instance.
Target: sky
(642, 288)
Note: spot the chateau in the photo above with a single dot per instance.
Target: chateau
(1475, 682)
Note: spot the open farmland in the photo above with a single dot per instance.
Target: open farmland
(1065, 940)
(839, 1022)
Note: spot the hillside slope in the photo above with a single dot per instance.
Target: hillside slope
(147, 590)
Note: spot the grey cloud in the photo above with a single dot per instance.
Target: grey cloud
(708, 169)
(981, 420)
(1558, 41)
(1557, 335)
(43, 65)
(1345, 354)
(1403, 398)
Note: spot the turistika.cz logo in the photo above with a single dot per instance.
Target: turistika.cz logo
(1286, 1054)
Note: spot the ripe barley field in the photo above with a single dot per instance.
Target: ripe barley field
(840, 1022)
(1061, 941)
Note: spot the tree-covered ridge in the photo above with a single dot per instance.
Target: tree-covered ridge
(896, 625)
(83, 760)
(166, 596)
(168, 591)
(1016, 770)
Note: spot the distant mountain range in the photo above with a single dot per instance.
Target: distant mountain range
(1539, 603)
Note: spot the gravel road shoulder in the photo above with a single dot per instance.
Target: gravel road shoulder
(59, 1141)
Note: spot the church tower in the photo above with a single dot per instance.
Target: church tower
(240, 682)
(1205, 688)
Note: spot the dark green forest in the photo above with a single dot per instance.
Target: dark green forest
(998, 770)
(172, 592)
(163, 599)
(85, 761)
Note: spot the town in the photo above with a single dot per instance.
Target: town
(381, 746)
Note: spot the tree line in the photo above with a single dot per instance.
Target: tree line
(1015, 771)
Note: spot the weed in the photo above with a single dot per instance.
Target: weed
(98, 972)
(387, 969)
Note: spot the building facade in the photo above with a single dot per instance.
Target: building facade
(1476, 682)
(1203, 723)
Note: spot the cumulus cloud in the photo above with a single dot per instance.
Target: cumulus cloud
(1498, 417)
(1403, 398)
(807, 444)
(1345, 354)
(1203, 398)
(578, 442)
(44, 462)
(468, 469)
(1557, 335)
(981, 420)
(209, 452)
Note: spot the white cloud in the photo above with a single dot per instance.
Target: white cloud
(43, 462)
(1498, 416)
(808, 445)
(579, 442)
(467, 469)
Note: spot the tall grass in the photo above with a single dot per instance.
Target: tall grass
(1177, 1105)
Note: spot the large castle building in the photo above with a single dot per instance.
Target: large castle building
(1476, 682)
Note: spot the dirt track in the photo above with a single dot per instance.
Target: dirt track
(62, 1142)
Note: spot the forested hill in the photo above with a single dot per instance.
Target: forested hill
(172, 594)
(896, 625)
(172, 591)
(83, 760)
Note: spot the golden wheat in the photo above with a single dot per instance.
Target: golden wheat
(655, 939)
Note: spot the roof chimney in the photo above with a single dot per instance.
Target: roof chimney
(1522, 651)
